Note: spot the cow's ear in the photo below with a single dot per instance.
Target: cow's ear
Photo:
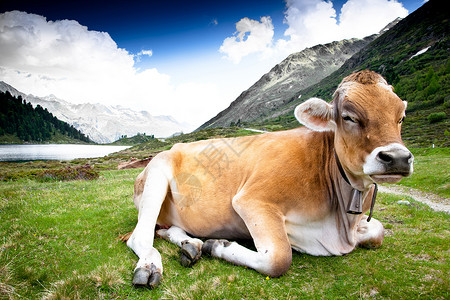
(316, 114)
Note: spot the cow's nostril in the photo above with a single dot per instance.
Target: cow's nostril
(410, 158)
(385, 157)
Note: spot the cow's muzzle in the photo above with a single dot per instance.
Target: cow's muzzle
(389, 163)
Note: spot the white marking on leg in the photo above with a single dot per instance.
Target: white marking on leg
(152, 257)
(370, 234)
(177, 236)
(141, 241)
(191, 248)
(239, 255)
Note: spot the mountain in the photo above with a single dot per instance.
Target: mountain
(413, 56)
(284, 81)
(103, 123)
(21, 122)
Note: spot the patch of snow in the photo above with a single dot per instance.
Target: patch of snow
(420, 52)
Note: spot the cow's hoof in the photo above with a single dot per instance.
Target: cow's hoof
(190, 254)
(141, 276)
(144, 277)
(210, 245)
(155, 279)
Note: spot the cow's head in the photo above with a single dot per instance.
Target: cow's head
(365, 116)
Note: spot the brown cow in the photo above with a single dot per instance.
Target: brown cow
(306, 188)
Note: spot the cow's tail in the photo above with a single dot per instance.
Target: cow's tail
(125, 237)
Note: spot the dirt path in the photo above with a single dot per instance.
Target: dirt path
(434, 201)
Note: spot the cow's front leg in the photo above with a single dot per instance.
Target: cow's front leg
(370, 234)
(191, 248)
(273, 255)
(149, 269)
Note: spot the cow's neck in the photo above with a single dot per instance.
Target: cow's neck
(340, 187)
(355, 202)
(341, 197)
(342, 193)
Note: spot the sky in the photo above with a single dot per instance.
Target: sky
(187, 59)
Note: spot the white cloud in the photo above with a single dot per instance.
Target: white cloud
(138, 56)
(312, 22)
(360, 18)
(149, 53)
(251, 36)
(58, 49)
(66, 59)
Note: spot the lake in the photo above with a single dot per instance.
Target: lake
(55, 151)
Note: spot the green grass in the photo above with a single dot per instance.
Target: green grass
(134, 140)
(58, 240)
(431, 171)
(57, 233)
(10, 139)
(57, 138)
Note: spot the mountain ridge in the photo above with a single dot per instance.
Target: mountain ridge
(282, 83)
(103, 123)
(413, 57)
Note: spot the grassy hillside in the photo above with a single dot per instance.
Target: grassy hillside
(154, 146)
(134, 140)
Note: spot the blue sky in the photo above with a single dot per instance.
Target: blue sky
(198, 56)
(161, 25)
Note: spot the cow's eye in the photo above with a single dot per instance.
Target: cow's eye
(401, 120)
(348, 118)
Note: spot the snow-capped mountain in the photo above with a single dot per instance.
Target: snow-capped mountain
(104, 123)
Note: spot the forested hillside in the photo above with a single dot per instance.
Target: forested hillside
(19, 120)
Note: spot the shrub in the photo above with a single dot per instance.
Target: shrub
(436, 117)
(85, 172)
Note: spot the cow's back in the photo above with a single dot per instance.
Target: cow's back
(283, 167)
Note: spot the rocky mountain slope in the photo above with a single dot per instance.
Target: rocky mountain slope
(104, 124)
(283, 83)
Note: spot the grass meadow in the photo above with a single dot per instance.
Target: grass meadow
(59, 240)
